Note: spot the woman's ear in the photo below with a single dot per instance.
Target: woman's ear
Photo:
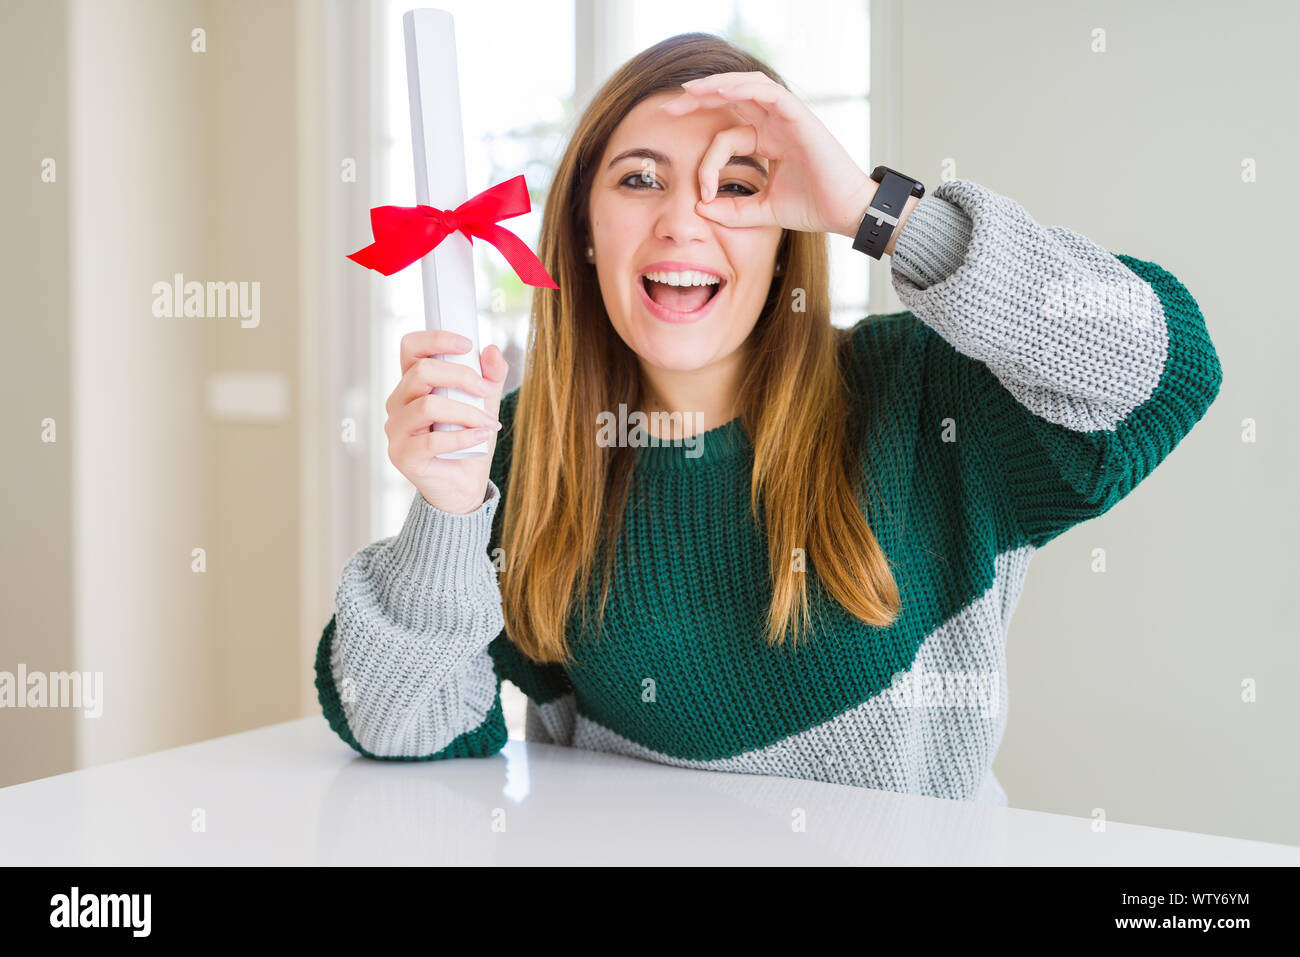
(782, 254)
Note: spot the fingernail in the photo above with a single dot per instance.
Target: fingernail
(689, 82)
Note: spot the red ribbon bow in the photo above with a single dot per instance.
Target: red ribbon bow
(404, 234)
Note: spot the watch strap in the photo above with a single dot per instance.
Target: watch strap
(881, 218)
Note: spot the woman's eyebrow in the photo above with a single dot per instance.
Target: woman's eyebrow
(749, 161)
(640, 152)
(655, 156)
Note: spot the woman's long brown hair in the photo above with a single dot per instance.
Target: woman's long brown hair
(565, 490)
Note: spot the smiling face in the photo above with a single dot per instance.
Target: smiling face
(643, 217)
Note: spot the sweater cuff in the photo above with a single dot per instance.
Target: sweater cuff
(932, 243)
(443, 550)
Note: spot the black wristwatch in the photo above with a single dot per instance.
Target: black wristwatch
(886, 206)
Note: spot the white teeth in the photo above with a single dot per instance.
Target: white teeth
(689, 277)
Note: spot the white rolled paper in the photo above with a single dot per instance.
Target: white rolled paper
(438, 142)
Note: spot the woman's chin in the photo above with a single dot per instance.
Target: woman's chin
(675, 349)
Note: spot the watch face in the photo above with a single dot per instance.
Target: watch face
(878, 174)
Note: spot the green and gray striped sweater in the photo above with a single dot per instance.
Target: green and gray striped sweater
(1035, 379)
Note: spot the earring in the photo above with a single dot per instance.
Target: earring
(780, 267)
(591, 254)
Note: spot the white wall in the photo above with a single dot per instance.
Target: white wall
(169, 161)
(251, 204)
(36, 586)
(1126, 686)
(140, 442)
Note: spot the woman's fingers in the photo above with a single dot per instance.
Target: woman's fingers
(775, 99)
(412, 454)
(739, 211)
(437, 442)
(748, 110)
(420, 413)
(733, 141)
(745, 110)
(777, 126)
(431, 342)
(728, 210)
(687, 102)
(426, 374)
(707, 91)
(736, 88)
(718, 80)
(495, 370)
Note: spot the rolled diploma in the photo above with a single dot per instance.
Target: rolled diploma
(438, 142)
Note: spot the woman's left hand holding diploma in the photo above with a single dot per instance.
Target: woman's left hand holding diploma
(813, 183)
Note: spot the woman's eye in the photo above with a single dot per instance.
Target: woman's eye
(640, 181)
(646, 181)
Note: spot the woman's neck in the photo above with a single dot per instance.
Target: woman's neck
(706, 398)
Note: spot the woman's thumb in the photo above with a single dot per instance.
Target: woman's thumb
(737, 211)
(495, 370)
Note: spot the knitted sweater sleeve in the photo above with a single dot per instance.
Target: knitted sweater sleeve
(1074, 371)
(402, 668)
(411, 663)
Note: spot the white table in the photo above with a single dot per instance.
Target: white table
(294, 793)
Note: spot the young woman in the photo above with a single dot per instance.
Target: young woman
(814, 575)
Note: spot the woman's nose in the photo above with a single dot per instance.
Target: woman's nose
(678, 219)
